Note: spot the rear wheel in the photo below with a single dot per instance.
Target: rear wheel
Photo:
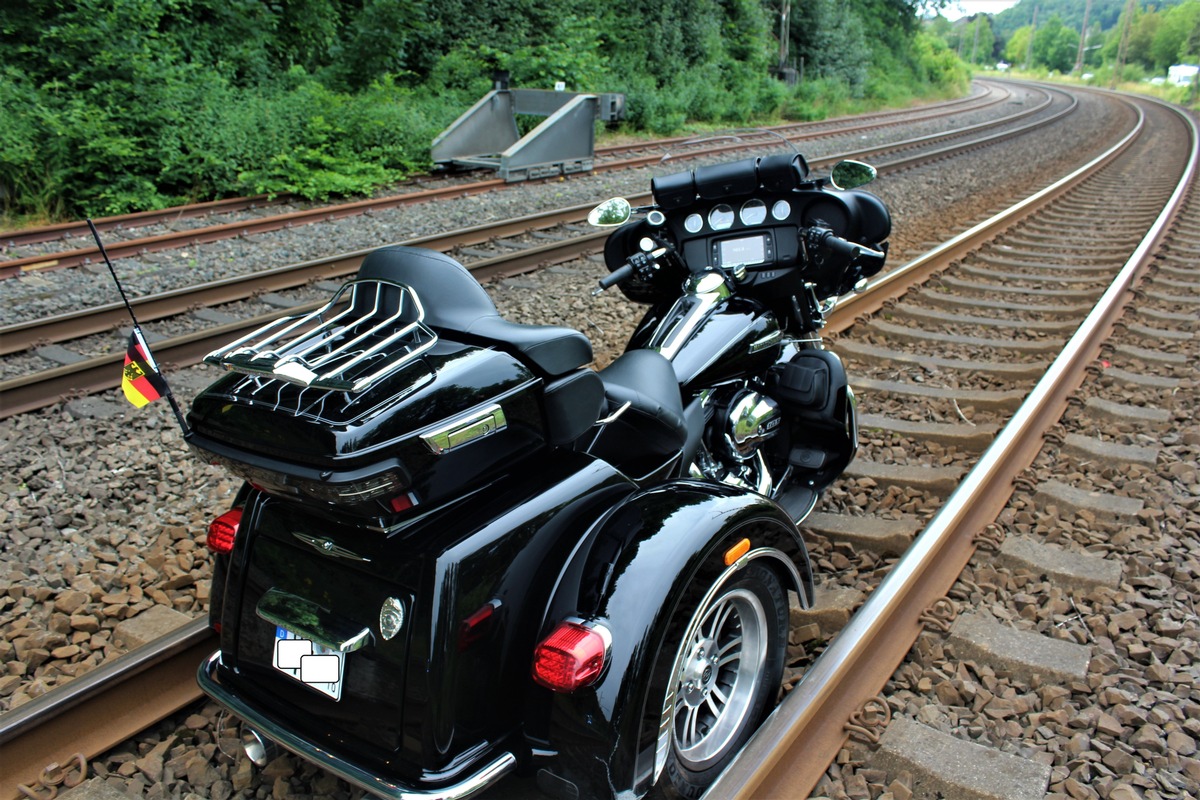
(727, 662)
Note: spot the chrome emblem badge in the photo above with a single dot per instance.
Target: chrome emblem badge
(327, 547)
(391, 617)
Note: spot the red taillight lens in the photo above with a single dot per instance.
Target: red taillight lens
(570, 657)
(222, 531)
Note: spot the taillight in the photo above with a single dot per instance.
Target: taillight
(222, 531)
(571, 656)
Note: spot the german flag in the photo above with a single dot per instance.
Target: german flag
(141, 380)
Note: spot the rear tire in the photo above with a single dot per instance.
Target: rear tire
(726, 663)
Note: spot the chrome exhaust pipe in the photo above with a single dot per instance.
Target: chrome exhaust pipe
(257, 747)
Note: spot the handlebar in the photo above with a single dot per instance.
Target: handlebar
(835, 244)
(619, 275)
(641, 264)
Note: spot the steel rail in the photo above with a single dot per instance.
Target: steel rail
(110, 316)
(21, 336)
(789, 754)
(27, 393)
(111, 703)
(45, 233)
(213, 233)
(30, 392)
(11, 727)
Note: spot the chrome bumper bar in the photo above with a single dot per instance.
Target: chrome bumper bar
(239, 705)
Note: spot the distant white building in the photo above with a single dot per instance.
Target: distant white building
(1182, 74)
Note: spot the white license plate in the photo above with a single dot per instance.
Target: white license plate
(308, 662)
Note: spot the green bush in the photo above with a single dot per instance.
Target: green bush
(118, 105)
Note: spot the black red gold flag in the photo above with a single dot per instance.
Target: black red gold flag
(141, 380)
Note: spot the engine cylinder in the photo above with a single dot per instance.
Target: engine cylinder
(751, 420)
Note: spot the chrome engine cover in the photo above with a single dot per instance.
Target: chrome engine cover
(751, 420)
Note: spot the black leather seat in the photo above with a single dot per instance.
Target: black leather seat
(654, 423)
(455, 302)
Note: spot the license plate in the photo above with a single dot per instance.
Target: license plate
(312, 664)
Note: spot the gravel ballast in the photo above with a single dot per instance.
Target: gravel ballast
(104, 510)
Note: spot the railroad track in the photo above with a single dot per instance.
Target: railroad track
(989, 94)
(417, 191)
(1079, 292)
(846, 317)
(532, 241)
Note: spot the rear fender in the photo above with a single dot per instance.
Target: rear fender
(632, 571)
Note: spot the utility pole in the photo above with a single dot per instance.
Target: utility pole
(1032, 33)
(1083, 34)
(785, 33)
(1129, 6)
(975, 48)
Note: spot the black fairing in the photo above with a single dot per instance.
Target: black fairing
(728, 189)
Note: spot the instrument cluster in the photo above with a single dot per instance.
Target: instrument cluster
(756, 233)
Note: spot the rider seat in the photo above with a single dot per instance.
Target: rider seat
(652, 426)
(454, 302)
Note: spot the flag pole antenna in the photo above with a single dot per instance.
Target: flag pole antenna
(141, 384)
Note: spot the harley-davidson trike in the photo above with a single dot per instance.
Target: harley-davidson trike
(459, 551)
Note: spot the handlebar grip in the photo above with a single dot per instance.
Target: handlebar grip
(618, 275)
(840, 246)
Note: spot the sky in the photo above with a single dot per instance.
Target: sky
(961, 8)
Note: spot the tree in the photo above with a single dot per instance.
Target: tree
(1170, 40)
(832, 42)
(978, 40)
(1055, 45)
(1017, 48)
(1141, 38)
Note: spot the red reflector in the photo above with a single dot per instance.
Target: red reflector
(222, 531)
(402, 502)
(475, 626)
(570, 657)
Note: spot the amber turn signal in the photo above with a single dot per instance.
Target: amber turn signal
(737, 551)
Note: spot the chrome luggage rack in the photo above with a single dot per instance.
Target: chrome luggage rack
(380, 330)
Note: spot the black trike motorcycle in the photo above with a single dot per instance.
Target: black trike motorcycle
(460, 551)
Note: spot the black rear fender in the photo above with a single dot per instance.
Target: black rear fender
(632, 571)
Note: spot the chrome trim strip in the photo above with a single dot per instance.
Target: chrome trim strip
(327, 546)
(464, 430)
(484, 777)
(613, 416)
(703, 294)
(772, 338)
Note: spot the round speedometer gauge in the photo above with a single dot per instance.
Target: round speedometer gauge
(753, 212)
(721, 217)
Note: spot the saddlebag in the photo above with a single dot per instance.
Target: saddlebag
(814, 392)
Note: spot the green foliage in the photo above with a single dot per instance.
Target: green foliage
(1017, 49)
(118, 105)
(1170, 43)
(1160, 33)
(1055, 46)
(834, 45)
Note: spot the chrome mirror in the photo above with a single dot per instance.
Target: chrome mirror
(616, 211)
(851, 174)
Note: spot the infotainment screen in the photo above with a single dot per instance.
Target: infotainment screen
(748, 250)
